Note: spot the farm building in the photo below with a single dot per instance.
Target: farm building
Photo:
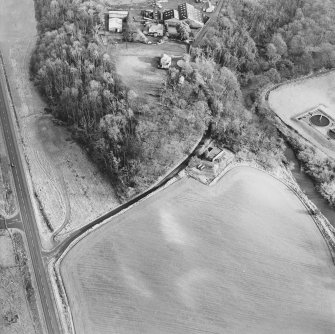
(190, 13)
(115, 24)
(170, 14)
(156, 30)
(152, 14)
(115, 20)
(148, 13)
(215, 154)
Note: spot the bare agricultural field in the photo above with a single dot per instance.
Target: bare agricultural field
(137, 65)
(68, 185)
(291, 100)
(242, 256)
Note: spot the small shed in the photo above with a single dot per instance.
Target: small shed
(208, 7)
(165, 61)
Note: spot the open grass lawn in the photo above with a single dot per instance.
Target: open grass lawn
(137, 64)
(291, 100)
(240, 257)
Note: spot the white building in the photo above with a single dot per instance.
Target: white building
(115, 20)
(115, 24)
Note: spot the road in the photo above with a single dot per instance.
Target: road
(61, 247)
(27, 213)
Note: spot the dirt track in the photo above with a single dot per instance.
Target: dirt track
(241, 257)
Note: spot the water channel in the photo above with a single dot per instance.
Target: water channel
(307, 186)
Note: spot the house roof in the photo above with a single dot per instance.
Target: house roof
(121, 14)
(172, 22)
(212, 153)
(156, 28)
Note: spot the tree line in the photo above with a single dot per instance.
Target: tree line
(132, 140)
(267, 41)
(271, 41)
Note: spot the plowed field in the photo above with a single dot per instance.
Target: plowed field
(240, 257)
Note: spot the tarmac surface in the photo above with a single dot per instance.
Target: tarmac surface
(25, 220)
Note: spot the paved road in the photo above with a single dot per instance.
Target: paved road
(27, 213)
(14, 222)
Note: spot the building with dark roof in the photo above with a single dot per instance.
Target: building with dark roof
(171, 14)
(187, 11)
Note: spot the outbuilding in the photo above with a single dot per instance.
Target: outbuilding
(208, 7)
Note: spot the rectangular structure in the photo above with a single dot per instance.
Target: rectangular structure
(170, 14)
(187, 11)
(121, 14)
(115, 24)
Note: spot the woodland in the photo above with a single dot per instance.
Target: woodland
(252, 44)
